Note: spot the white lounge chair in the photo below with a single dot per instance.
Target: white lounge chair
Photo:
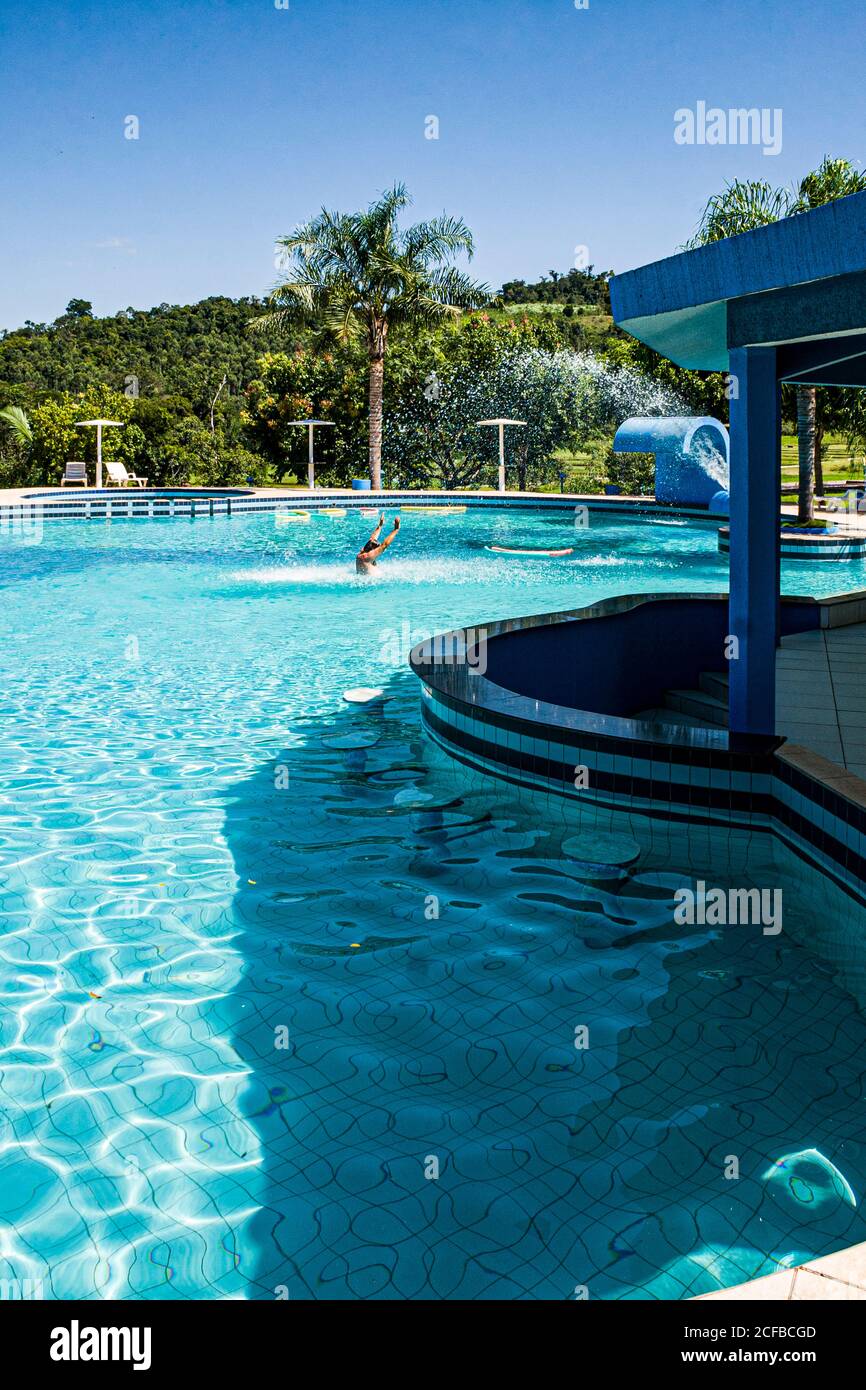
(76, 472)
(118, 473)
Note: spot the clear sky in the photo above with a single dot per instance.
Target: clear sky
(556, 129)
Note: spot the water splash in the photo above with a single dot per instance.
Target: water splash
(712, 462)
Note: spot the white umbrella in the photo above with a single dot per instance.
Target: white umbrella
(311, 425)
(501, 423)
(99, 424)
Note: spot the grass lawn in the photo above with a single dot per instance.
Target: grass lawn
(839, 463)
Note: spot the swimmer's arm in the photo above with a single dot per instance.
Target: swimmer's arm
(386, 542)
(379, 549)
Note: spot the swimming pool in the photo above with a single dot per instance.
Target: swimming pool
(269, 964)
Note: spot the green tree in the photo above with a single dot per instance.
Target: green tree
(834, 178)
(473, 370)
(304, 384)
(77, 309)
(203, 458)
(576, 286)
(743, 205)
(358, 276)
(56, 437)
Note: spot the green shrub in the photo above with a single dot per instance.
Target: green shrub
(632, 473)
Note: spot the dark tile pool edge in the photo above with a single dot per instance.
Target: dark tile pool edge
(829, 840)
(694, 776)
(844, 546)
(135, 503)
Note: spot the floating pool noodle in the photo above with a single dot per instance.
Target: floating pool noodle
(432, 511)
(510, 550)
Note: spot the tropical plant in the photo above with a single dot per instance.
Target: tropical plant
(834, 178)
(740, 207)
(358, 276)
(16, 447)
(18, 423)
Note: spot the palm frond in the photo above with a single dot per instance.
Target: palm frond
(741, 206)
(440, 237)
(16, 419)
(834, 178)
(353, 272)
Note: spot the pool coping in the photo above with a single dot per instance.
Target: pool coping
(668, 771)
(841, 1275)
(138, 503)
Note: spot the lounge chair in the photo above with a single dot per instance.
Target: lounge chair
(118, 473)
(75, 473)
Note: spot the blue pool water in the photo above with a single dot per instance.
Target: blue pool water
(268, 962)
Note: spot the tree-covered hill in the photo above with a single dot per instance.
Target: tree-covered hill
(206, 400)
(575, 287)
(184, 351)
(173, 350)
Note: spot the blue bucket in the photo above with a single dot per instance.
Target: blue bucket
(361, 484)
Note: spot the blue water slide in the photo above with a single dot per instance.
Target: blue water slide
(691, 455)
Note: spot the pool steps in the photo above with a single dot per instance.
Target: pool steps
(553, 702)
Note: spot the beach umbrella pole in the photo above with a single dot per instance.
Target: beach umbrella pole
(501, 458)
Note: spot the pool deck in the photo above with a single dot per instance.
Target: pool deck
(821, 694)
(831, 1278)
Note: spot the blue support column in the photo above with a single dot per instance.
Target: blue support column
(754, 514)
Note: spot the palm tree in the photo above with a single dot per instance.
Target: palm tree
(740, 207)
(834, 178)
(358, 275)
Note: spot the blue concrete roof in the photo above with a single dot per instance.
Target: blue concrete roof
(801, 278)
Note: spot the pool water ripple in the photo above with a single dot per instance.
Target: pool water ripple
(205, 854)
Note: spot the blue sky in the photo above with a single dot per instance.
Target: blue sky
(555, 129)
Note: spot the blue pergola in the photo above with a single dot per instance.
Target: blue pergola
(783, 303)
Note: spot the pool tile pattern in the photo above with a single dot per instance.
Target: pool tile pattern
(168, 909)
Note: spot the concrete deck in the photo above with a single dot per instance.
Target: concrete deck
(834, 1277)
(821, 694)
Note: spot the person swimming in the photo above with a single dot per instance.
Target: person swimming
(368, 554)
